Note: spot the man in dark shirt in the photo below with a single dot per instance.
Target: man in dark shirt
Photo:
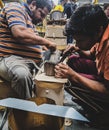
(69, 9)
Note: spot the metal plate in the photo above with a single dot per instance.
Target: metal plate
(54, 110)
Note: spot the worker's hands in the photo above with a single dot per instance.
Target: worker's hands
(62, 71)
(52, 46)
(71, 49)
(44, 48)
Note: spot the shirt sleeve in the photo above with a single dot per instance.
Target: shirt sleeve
(106, 66)
(15, 14)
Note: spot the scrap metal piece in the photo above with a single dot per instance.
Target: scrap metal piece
(48, 109)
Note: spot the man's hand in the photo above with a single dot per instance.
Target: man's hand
(52, 47)
(71, 48)
(63, 71)
(44, 48)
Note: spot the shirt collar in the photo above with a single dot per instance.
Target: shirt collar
(27, 9)
(104, 38)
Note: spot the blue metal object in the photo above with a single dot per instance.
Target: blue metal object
(49, 109)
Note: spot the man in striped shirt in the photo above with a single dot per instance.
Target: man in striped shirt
(20, 47)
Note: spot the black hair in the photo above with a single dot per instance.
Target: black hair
(106, 5)
(42, 4)
(87, 20)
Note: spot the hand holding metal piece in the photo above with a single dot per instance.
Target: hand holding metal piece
(69, 50)
(66, 54)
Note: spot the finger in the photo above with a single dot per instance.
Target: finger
(57, 75)
(45, 48)
(67, 49)
(63, 66)
(57, 67)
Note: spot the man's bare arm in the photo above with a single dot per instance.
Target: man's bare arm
(64, 71)
(24, 35)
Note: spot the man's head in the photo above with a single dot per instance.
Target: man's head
(88, 21)
(39, 9)
(106, 9)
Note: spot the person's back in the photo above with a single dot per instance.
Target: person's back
(69, 8)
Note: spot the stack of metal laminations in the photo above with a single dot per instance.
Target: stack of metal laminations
(55, 28)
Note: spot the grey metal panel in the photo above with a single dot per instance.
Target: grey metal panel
(61, 111)
(54, 110)
(19, 104)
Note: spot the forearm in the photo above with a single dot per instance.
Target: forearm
(26, 36)
(85, 54)
(64, 71)
(35, 40)
(82, 53)
(88, 83)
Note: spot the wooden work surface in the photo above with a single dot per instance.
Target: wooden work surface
(43, 77)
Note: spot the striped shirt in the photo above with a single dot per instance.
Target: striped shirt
(16, 14)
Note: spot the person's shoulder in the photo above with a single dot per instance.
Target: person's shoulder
(68, 4)
(13, 5)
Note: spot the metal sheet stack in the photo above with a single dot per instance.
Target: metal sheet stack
(55, 33)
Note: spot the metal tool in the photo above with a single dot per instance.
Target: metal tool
(65, 55)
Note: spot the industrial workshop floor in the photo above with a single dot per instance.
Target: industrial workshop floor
(72, 125)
